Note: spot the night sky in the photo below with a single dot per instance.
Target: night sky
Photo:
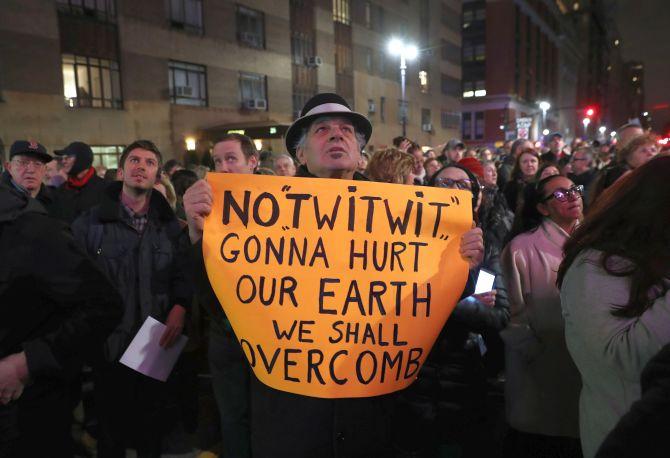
(645, 34)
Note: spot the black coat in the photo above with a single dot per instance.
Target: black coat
(290, 425)
(76, 201)
(50, 198)
(55, 304)
(643, 430)
(148, 269)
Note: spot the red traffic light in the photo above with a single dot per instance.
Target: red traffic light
(591, 110)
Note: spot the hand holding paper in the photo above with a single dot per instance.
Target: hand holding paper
(145, 354)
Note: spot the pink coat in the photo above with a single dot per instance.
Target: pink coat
(543, 383)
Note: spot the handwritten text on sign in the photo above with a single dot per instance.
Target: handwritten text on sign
(335, 288)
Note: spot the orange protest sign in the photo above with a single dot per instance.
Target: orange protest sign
(335, 288)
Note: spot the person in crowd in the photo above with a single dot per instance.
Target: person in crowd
(431, 165)
(509, 161)
(136, 239)
(54, 176)
(284, 165)
(363, 163)
(542, 390)
(100, 170)
(640, 431)
(83, 188)
(484, 154)
(25, 173)
(418, 172)
(200, 170)
(430, 154)
(294, 425)
(181, 181)
(401, 143)
(56, 308)
(391, 166)
(615, 294)
(165, 187)
(495, 219)
(446, 406)
(233, 153)
(565, 165)
(604, 156)
(452, 152)
(638, 151)
(626, 133)
(583, 170)
(556, 144)
(172, 166)
(112, 175)
(546, 170)
(524, 171)
(470, 152)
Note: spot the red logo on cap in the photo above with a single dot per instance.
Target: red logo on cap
(32, 145)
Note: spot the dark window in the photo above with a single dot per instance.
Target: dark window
(451, 120)
(187, 15)
(467, 126)
(300, 98)
(253, 91)
(382, 106)
(250, 27)
(451, 52)
(451, 86)
(368, 60)
(101, 10)
(479, 125)
(342, 11)
(403, 111)
(451, 18)
(91, 82)
(425, 118)
(188, 84)
(302, 47)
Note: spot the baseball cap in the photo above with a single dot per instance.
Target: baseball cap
(29, 148)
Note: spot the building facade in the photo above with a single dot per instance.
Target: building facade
(184, 72)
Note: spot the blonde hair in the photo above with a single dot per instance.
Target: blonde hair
(390, 166)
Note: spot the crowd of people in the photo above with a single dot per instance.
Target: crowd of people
(577, 236)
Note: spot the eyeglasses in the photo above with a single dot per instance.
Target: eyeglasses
(563, 195)
(464, 185)
(24, 163)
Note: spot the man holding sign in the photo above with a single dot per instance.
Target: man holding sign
(356, 269)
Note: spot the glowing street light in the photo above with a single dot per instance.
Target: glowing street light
(405, 51)
(544, 106)
(545, 132)
(586, 121)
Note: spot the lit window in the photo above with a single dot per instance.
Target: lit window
(341, 11)
(91, 82)
(423, 81)
(468, 94)
(107, 156)
(480, 93)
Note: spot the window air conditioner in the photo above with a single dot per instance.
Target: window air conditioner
(313, 61)
(256, 104)
(427, 127)
(183, 91)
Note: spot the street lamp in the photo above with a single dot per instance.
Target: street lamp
(544, 106)
(586, 122)
(602, 129)
(406, 52)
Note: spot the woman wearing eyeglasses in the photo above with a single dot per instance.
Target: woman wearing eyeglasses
(615, 293)
(542, 389)
(448, 400)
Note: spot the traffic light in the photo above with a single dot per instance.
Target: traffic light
(590, 111)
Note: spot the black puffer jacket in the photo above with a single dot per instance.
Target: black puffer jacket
(148, 269)
(50, 198)
(55, 304)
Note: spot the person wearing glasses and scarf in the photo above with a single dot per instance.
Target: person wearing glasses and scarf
(543, 383)
(445, 409)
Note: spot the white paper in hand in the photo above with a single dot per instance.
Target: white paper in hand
(147, 357)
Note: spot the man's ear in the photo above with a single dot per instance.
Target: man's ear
(119, 173)
(300, 155)
(253, 161)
